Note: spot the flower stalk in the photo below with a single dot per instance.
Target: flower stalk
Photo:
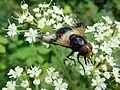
(64, 70)
(36, 87)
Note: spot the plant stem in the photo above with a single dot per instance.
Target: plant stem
(36, 87)
(64, 69)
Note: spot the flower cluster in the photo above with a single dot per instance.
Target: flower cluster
(53, 78)
(45, 18)
(15, 73)
(106, 41)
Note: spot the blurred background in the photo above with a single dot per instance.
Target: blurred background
(16, 52)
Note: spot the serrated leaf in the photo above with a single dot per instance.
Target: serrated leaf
(2, 49)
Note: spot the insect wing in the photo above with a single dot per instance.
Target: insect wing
(64, 43)
(62, 36)
(79, 31)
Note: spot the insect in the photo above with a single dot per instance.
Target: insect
(73, 37)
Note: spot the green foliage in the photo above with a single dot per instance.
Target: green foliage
(13, 51)
(3, 41)
(2, 49)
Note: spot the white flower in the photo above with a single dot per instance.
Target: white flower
(28, 89)
(48, 23)
(37, 15)
(108, 32)
(51, 72)
(107, 19)
(57, 26)
(95, 48)
(114, 43)
(69, 62)
(101, 57)
(5, 88)
(97, 59)
(25, 84)
(97, 72)
(116, 74)
(12, 30)
(68, 20)
(117, 25)
(36, 81)
(106, 48)
(22, 17)
(89, 29)
(16, 72)
(104, 67)
(29, 18)
(46, 13)
(43, 89)
(36, 10)
(24, 6)
(43, 5)
(57, 10)
(10, 85)
(99, 83)
(59, 85)
(107, 75)
(110, 60)
(46, 44)
(52, 21)
(50, 11)
(59, 18)
(88, 69)
(99, 36)
(54, 15)
(31, 35)
(98, 25)
(34, 72)
(48, 80)
(41, 23)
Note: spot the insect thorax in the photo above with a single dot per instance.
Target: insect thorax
(76, 42)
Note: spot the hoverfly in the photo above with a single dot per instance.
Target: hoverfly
(72, 37)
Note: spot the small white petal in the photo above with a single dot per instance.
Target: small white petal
(24, 6)
(36, 81)
(25, 84)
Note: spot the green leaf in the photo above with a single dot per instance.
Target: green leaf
(117, 3)
(40, 59)
(67, 9)
(43, 50)
(2, 66)
(3, 40)
(2, 49)
(24, 52)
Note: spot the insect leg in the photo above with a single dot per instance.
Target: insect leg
(85, 60)
(70, 54)
(71, 58)
(80, 62)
